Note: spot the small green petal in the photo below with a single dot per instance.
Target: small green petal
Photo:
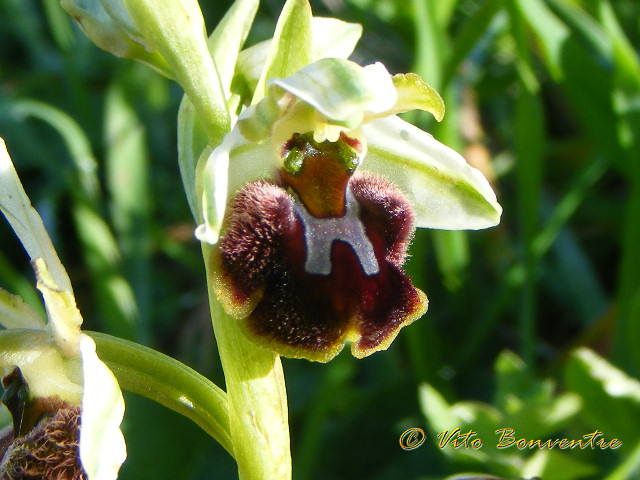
(235, 162)
(64, 317)
(47, 372)
(341, 90)
(102, 447)
(447, 192)
(14, 313)
(415, 94)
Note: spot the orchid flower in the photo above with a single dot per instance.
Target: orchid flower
(312, 200)
(51, 370)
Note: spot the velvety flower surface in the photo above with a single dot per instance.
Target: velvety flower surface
(264, 268)
(312, 255)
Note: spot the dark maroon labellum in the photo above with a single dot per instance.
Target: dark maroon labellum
(303, 291)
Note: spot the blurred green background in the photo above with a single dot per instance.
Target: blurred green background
(542, 95)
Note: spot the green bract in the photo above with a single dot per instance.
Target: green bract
(56, 359)
(333, 96)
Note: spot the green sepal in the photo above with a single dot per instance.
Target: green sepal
(176, 29)
(291, 47)
(224, 45)
(447, 192)
(331, 38)
(109, 27)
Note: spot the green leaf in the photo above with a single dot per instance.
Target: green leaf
(555, 465)
(447, 193)
(611, 399)
(113, 293)
(127, 180)
(514, 382)
(625, 98)
(436, 409)
(74, 138)
(442, 417)
(567, 60)
(629, 468)
(470, 36)
(291, 48)
(115, 297)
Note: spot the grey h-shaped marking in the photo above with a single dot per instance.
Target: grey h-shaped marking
(320, 233)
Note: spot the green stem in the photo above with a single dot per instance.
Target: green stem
(165, 380)
(258, 415)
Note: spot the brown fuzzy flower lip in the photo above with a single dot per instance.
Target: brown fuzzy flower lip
(50, 451)
(44, 440)
(298, 308)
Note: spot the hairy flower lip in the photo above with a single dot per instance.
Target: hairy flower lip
(262, 274)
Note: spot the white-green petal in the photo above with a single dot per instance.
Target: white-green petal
(333, 38)
(233, 163)
(102, 446)
(342, 91)
(14, 313)
(47, 372)
(64, 316)
(447, 192)
(25, 220)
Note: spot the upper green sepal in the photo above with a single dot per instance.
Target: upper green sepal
(109, 26)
